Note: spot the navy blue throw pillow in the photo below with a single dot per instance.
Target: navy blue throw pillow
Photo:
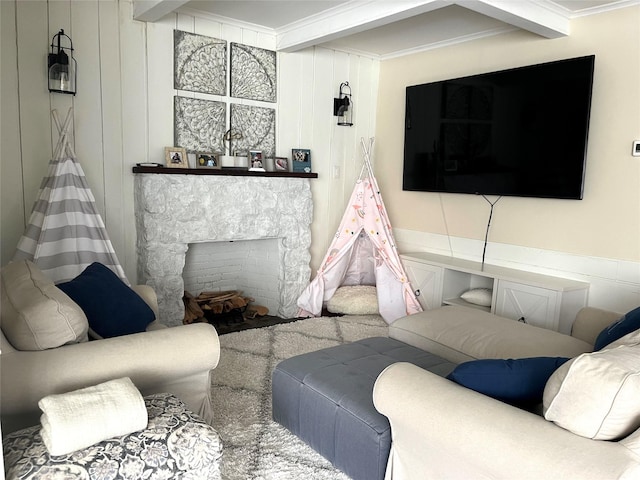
(515, 381)
(111, 307)
(630, 322)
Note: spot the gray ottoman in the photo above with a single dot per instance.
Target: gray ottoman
(326, 399)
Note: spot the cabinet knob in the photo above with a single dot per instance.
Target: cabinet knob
(417, 293)
(521, 319)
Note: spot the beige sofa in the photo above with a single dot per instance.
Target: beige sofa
(173, 360)
(442, 430)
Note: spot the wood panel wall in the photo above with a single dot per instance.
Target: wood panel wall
(123, 111)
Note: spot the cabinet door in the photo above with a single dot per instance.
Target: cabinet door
(426, 282)
(533, 305)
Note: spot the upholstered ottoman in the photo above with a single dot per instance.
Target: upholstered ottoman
(326, 399)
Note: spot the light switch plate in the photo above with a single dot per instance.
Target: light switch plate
(636, 148)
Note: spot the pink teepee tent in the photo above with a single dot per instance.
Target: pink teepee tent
(363, 252)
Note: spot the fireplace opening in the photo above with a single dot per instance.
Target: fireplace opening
(233, 285)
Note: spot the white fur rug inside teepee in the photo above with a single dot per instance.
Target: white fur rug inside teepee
(255, 447)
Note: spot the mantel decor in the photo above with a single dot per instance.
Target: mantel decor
(199, 124)
(200, 63)
(258, 127)
(175, 157)
(253, 73)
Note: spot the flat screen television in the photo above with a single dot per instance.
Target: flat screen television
(520, 132)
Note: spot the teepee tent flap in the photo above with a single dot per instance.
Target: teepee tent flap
(65, 232)
(363, 252)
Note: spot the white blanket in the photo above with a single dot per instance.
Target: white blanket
(78, 419)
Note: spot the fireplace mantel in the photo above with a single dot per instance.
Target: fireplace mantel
(174, 210)
(237, 172)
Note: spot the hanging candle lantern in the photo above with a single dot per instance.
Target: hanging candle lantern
(62, 65)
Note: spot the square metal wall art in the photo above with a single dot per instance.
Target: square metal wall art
(200, 63)
(257, 127)
(199, 124)
(253, 73)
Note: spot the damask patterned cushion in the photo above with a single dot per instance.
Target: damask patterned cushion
(176, 444)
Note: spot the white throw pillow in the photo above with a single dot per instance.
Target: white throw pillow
(36, 315)
(354, 300)
(478, 296)
(596, 394)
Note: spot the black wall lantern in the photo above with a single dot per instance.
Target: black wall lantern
(62, 65)
(343, 106)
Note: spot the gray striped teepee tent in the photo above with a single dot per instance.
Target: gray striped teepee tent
(66, 233)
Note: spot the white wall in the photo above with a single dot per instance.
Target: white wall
(596, 239)
(123, 115)
(123, 111)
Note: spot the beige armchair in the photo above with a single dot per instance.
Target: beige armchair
(175, 360)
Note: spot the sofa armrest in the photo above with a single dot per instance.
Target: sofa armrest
(590, 321)
(444, 430)
(148, 358)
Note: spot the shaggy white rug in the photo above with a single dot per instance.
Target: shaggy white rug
(255, 447)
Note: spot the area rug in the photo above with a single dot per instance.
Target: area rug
(255, 447)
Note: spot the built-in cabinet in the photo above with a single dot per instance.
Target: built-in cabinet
(541, 300)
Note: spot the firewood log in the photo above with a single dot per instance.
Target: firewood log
(192, 311)
(217, 308)
(258, 309)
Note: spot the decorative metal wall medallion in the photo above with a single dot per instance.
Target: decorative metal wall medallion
(199, 124)
(253, 73)
(200, 63)
(258, 128)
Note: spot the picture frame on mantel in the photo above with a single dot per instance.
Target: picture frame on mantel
(301, 160)
(281, 164)
(208, 160)
(175, 157)
(256, 161)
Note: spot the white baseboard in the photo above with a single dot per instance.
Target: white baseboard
(615, 284)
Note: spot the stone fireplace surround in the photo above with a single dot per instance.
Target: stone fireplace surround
(174, 210)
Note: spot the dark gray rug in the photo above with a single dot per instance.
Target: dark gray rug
(255, 447)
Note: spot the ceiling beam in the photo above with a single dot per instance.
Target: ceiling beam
(350, 18)
(154, 10)
(528, 15)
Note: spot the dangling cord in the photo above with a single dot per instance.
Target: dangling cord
(486, 235)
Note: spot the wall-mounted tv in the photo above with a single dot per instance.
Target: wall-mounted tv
(520, 132)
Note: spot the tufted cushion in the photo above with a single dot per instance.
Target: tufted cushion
(35, 314)
(596, 394)
(354, 300)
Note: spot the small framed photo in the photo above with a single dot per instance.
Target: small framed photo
(301, 158)
(207, 160)
(281, 164)
(256, 162)
(175, 157)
